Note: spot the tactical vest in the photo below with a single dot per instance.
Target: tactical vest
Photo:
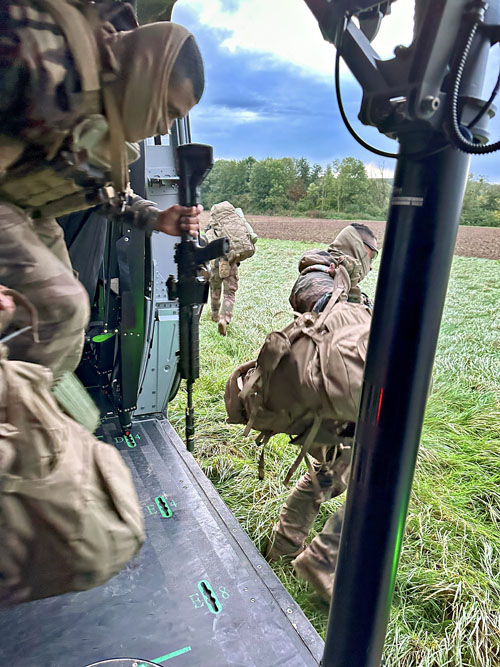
(57, 178)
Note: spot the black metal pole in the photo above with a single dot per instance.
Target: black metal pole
(418, 249)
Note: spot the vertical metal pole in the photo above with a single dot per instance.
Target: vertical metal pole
(416, 260)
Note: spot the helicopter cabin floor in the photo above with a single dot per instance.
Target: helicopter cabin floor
(197, 594)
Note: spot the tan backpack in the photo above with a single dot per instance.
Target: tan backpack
(225, 221)
(69, 514)
(307, 378)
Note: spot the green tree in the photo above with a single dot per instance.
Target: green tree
(353, 186)
(316, 172)
(228, 180)
(303, 170)
(481, 203)
(270, 183)
(329, 188)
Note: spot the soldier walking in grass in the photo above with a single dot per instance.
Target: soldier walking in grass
(225, 220)
(354, 248)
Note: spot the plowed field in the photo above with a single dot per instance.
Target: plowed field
(471, 241)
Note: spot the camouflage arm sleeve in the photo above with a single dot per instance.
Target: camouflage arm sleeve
(145, 213)
(14, 74)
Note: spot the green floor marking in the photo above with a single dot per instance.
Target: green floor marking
(162, 505)
(164, 658)
(211, 600)
(130, 440)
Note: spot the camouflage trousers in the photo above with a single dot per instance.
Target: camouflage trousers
(217, 285)
(35, 262)
(317, 562)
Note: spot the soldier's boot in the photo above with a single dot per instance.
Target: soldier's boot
(295, 521)
(317, 563)
(222, 327)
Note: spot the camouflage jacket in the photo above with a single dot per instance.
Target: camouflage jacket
(39, 105)
(37, 76)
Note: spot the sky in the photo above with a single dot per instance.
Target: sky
(269, 86)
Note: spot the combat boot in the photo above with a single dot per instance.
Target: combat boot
(319, 575)
(222, 327)
(317, 563)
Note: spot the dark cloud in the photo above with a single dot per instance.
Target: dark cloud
(296, 113)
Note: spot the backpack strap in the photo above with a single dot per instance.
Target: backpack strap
(82, 43)
(303, 454)
(342, 285)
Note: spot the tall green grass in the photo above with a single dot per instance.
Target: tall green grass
(446, 607)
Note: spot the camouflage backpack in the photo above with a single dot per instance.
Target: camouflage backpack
(307, 378)
(226, 221)
(69, 514)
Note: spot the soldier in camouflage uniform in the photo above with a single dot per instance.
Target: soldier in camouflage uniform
(74, 93)
(224, 272)
(316, 563)
(223, 275)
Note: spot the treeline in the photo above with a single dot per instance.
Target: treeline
(343, 190)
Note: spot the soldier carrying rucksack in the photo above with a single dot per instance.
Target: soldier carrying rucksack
(228, 221)
(306, 382)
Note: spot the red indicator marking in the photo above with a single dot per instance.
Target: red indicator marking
(381, 395)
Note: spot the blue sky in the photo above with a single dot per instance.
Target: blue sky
(269, 83)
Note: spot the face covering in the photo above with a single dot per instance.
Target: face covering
(154, 79)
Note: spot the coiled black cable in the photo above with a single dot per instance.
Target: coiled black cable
(452, 117)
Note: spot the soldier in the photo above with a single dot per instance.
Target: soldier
(357, 246)
(225, 220)
(74, 93)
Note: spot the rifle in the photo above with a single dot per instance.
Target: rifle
(194, 161)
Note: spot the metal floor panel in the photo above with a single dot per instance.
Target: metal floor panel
(197, 595)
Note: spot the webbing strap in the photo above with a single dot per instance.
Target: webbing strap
(81, 41)
(119, 165)
(342, 277)
(314, 479)
(313, 430)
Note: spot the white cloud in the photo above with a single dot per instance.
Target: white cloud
(379, 170)
(287, 30)
(219, 113)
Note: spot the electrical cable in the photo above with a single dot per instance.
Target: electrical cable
(345, 119)
(417, 155)
(455, 132)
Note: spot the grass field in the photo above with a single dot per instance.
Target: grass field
(446, 608)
